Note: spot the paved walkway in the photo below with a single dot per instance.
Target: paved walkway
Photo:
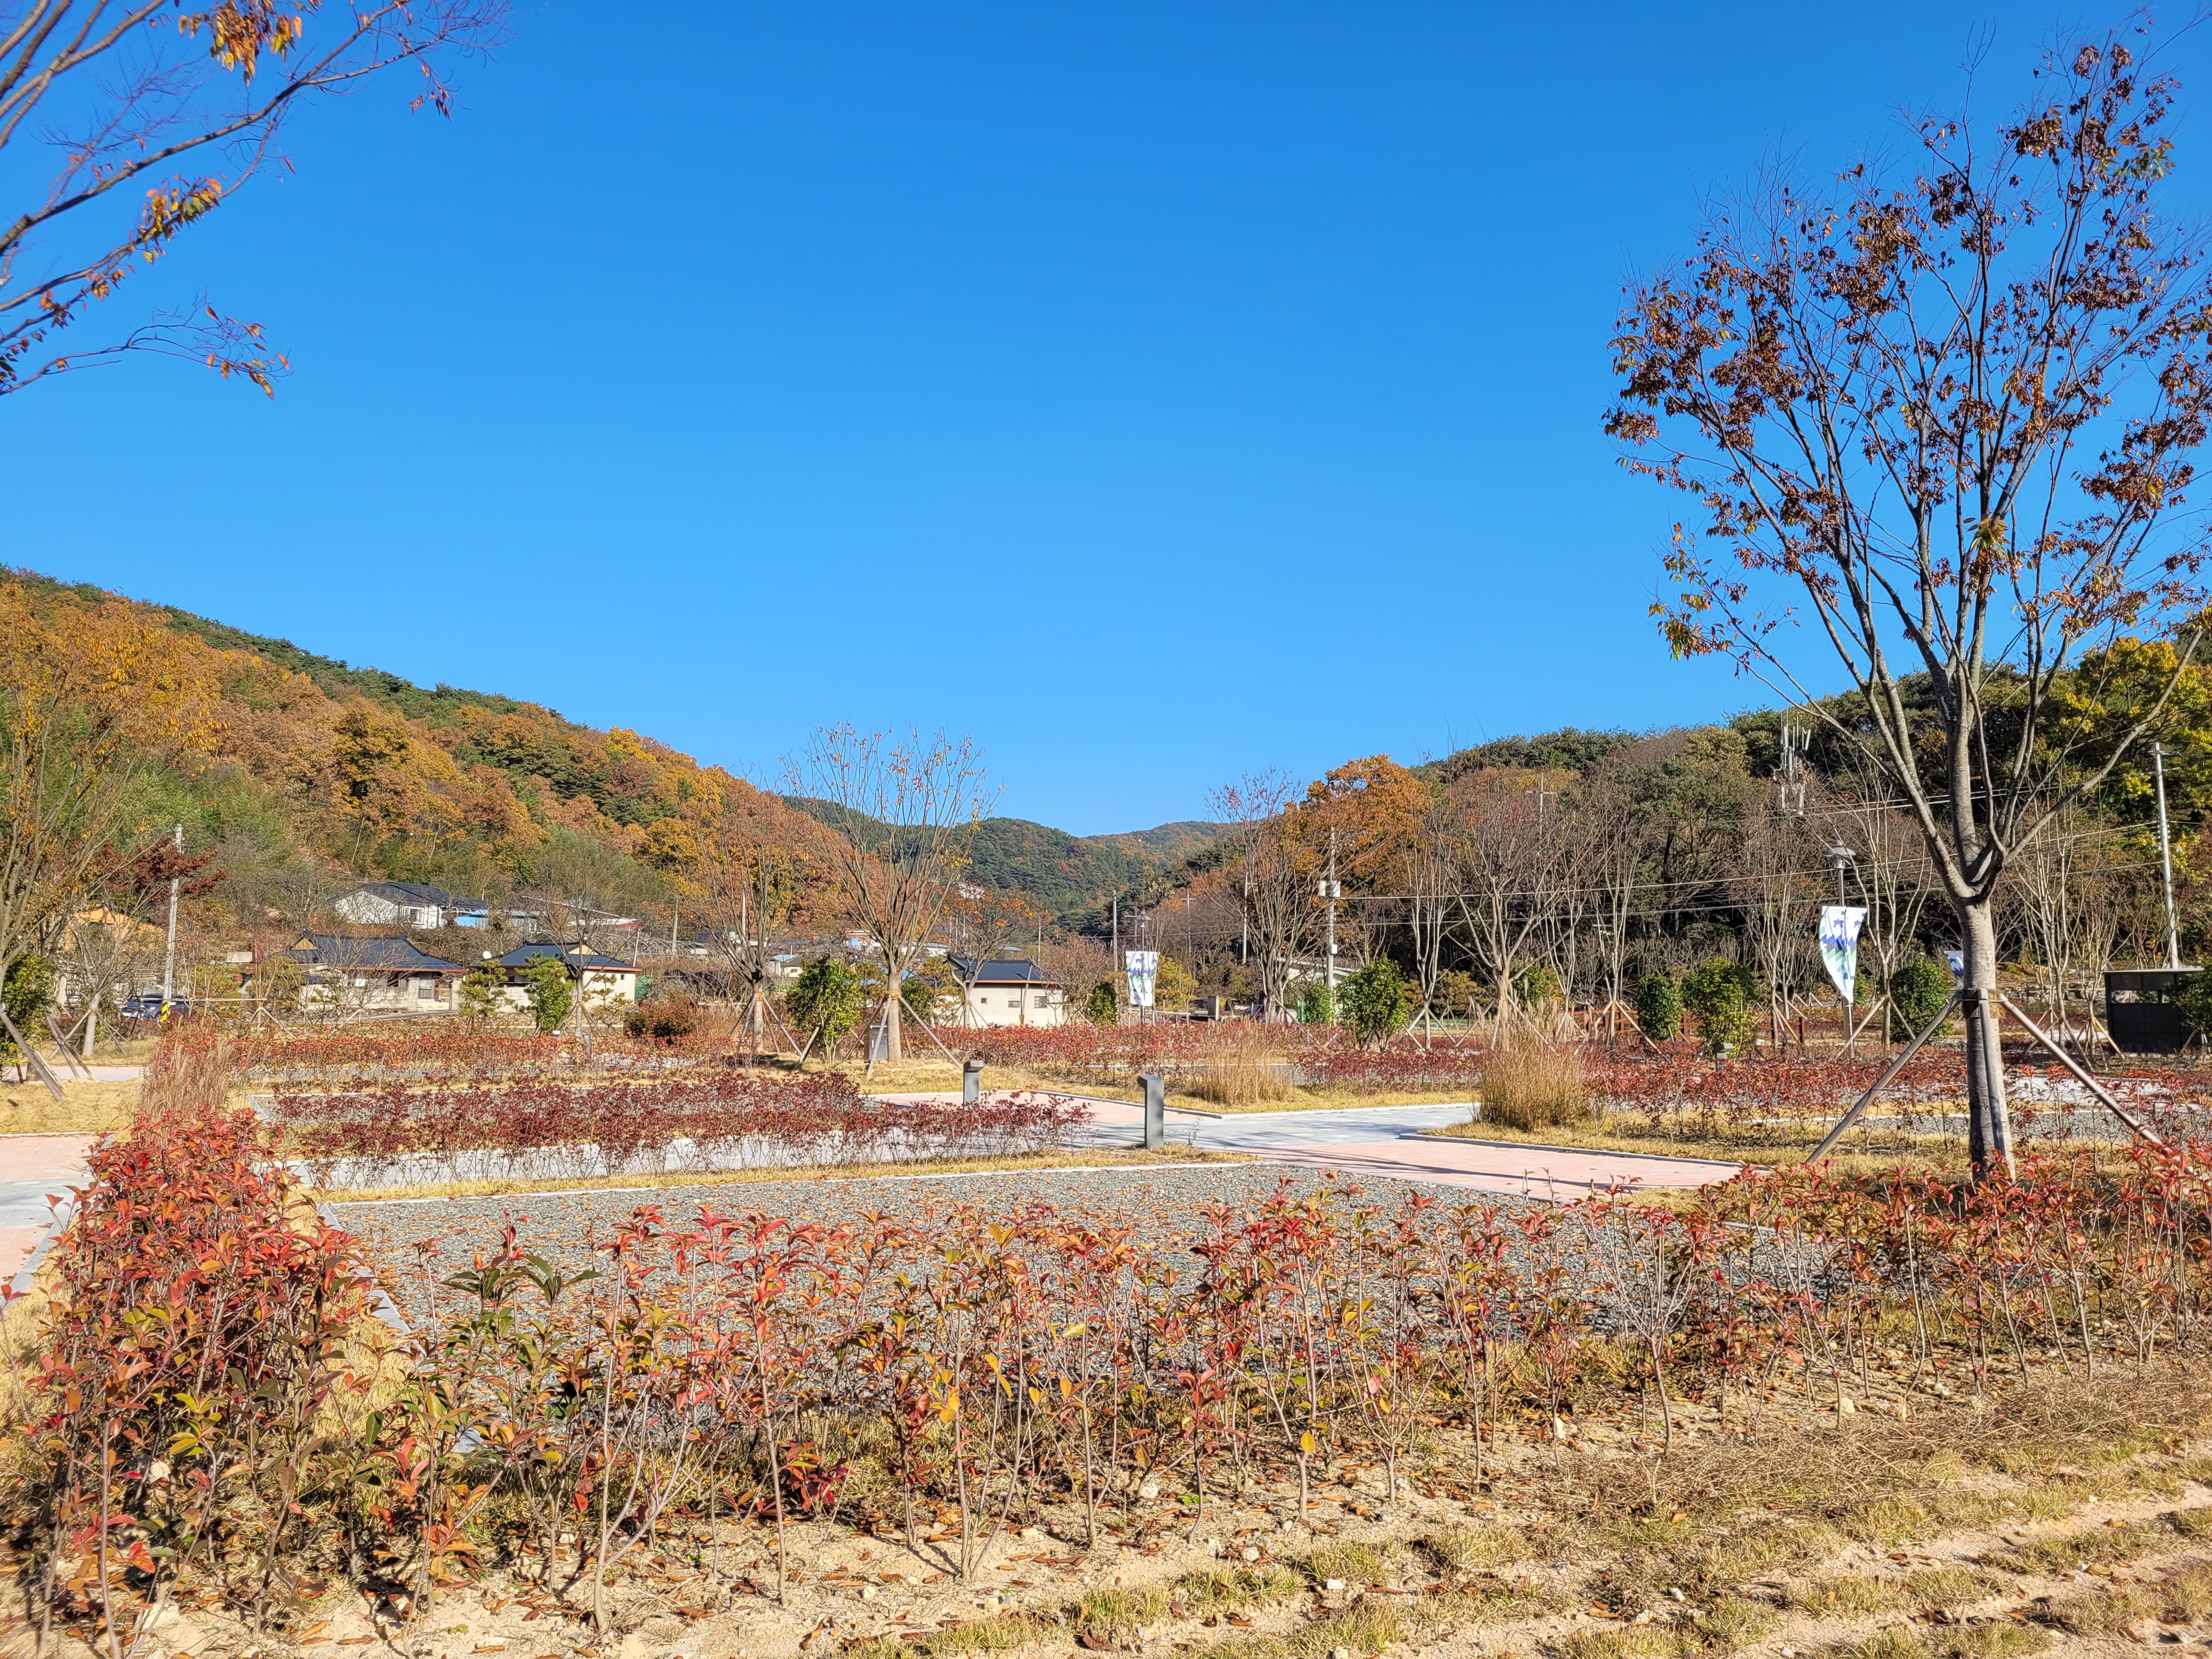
(33, 1168)
(1387, 1141)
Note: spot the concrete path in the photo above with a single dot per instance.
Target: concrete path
(1387, 1141)
(32, 1169)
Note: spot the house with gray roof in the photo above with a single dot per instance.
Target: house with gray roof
(601, 978)
(383, 974)
(1008, 992)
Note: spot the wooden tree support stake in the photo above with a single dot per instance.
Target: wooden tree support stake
(31, 1055)
(1883, 1081)
(2087, 1082)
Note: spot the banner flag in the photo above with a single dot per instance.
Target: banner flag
(1839, 945)
(1144, 968)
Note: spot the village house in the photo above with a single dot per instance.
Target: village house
(414, 904)
(407, 903)
(603, 978)
(1009, 993)
(375, 974)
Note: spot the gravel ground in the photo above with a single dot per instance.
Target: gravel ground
(561, 1225)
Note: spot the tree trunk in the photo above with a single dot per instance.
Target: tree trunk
(1989, 1122)
(893, 1052)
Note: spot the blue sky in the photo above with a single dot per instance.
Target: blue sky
(1155, 392)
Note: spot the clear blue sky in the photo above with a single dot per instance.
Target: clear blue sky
(1154, 391)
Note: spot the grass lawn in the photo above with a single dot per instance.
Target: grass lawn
(917, 1076)
(85, 1109)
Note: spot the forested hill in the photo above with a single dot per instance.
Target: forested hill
(1072, 878)
(313, 771)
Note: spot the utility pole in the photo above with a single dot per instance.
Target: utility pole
(2166, 858)
(1117, 933)
(169, 956)
(1331, 891)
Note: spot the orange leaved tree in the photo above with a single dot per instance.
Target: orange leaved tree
(154, 112)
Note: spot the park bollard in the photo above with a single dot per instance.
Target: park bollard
(1156, 1111)
(971, 1081)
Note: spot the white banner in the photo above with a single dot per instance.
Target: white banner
(1144, 968)
(1839, 945)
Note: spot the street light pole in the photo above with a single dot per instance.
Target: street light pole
(1329, 968)
(169, 955)
(2166, 858)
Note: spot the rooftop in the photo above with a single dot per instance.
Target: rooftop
(575, 955)
(415, 892)
(394, 955)
(1015, 972)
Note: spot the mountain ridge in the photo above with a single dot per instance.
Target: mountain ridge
(527, 778)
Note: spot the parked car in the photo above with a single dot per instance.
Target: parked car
(148, 1005)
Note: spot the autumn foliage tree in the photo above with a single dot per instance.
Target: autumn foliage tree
(1944, 420)
(156, 114)
(82, 718)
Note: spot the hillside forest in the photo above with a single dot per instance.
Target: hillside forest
(1566, 865)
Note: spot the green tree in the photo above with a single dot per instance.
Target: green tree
(1316, 1004)
(483, 992)
(1534, 984)
(545, 983)
(919, 993)
(1176, 986)
(1456, 989)
(1915, 992)
(1102, 1006)
(25, 993)
(1377, 1000)
(827, 994)
(1718, 996)
(2194, 998)
(1659, 1007)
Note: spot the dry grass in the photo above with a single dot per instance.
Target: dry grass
(85, 1109)
(1987, 1641)
(1240, 1065)
(1530, 1085)
(1947, 1588)
(1721, 1513)
(1771, 1146)
(1354, 1564)
(1469, 1549)
(984, 1635)
(1220, 1589)
(2183, 1599)
(1118, 1613)
(2093, 1545)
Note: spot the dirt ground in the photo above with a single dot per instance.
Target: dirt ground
(2073, 1516)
